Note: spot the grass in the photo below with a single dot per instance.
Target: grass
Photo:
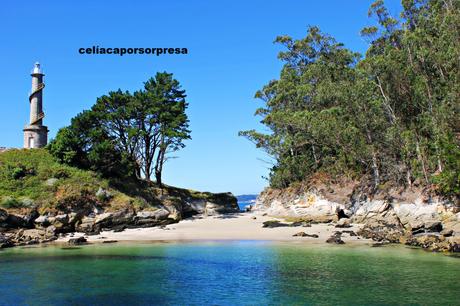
(33, 178)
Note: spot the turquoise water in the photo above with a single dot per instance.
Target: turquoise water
(227, 273)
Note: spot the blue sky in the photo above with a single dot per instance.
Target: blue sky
(231, 56)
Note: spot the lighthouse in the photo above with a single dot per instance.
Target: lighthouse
(35, 133)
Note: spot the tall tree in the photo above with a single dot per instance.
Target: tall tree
(132, 133)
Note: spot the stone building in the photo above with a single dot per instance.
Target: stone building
(35, 133)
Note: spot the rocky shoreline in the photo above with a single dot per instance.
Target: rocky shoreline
(30, 228)
(413, 218)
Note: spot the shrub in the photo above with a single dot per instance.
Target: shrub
(10, 202)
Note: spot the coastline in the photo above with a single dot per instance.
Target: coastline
(238, 226)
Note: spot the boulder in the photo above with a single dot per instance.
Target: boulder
(382, 231)
(3, 215)
(335, 239)
(419, 216)
(77, 241)
(274, 223)
(42, 221)
(5, 242)
(343, 223)
(103, 218)
(159, 214)
(87, 225)
(447, 232)
(301, 223)
(367, 210)
(303, 234)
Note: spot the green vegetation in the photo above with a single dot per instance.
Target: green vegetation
(127, 135)
(391, 116)
(48, 185)
(34, 176)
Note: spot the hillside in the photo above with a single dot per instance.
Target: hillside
(47, 198)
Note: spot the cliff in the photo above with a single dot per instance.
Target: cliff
(40, 199)
(392, 215)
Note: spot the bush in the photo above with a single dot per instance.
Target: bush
(18, 173)
(10, 202)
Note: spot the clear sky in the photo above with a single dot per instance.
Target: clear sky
(231, 56)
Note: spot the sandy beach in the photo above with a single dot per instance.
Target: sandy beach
(241, 226)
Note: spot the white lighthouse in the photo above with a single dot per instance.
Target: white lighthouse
(36, 134)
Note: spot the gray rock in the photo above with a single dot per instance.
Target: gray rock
(335, 240)
(51, 181)
(447, 232)
(77, 241)
(303, 234)
(42, 221)
(159, 214)
(3, 215)
(103, 218)
(343, 223)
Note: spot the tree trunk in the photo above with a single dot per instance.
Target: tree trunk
(408, 177)
(158, 177)
(375, 169)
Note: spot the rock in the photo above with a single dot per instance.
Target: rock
(5, 242)
(447, 232)
(51, 181)
(335, 239)
(343, 223)
(301, 223)
(370, 210)
(77, 241)
(51, 232)
(3, 215)
(274, 223)
(109, 241)
(42, 221)
(303, 234)
(351, 233)
(159, 214)
(433, 226)
(33, 234)
(103, 218)
(381, 230)
(254, 218)
(88, 225)
(419, 216)
(103, 194)
(310, 206)
(16, 221)
(119, 228)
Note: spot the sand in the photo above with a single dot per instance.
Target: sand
(242, 226)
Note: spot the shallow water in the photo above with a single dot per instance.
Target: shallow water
(227, 273)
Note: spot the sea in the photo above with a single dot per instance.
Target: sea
(227, 273)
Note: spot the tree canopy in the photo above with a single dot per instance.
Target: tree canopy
(126, 134)
(388, 116)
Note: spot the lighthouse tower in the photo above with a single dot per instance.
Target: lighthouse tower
(36, 134)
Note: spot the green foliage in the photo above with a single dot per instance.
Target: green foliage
(391, 116)
(35, 168)
(124, 134)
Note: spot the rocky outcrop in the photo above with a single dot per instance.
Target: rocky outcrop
(90, 218)
(428, 222)
(310, 206)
